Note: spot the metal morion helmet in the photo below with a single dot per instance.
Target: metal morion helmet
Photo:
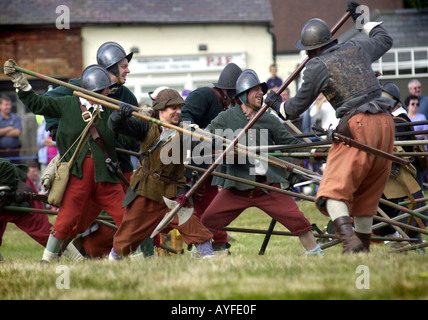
(392, 89)
(247, 80)
(315, 34)
(228, 77)
(95, 78)
(110, 53)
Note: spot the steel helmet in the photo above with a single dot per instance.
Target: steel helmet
(228, 77)
(247, 80)
(392, 89)
(315, 34)
(110, 53)
(95, 78)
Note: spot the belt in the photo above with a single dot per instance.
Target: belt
(157, 176)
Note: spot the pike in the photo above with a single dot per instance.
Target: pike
(101, 220)
(327, 144)
(169, 216)
(324, 154)
(178, 207)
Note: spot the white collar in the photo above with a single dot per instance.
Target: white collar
(400, 110)
(88, 105)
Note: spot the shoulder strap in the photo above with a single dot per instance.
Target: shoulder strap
(113, 167)
(93, 130)
(220, 98)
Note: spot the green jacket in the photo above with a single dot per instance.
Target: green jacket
(70, 126)
(276, 133)
(122, 94)
(9, 174)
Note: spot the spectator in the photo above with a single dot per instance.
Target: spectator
(274, 80)
(412, 104)
(10, 131)
(415, 88)
(34, 175)
(48, 149)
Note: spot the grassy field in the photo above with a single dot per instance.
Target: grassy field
(281, 273)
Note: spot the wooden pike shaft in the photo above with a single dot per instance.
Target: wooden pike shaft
(100, 219)
(400, 224)
(325, 154)
(240, 149)
(254, 184)
(322, 236)
(256, 117)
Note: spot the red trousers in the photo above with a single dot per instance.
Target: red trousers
(76, 212)
(100, 242)
(203, 201)
(36, 225)
(140, 220)
(229, 204)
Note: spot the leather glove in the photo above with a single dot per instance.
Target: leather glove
(274, 100)
(352, 8)
(18, 78)
(125, 110)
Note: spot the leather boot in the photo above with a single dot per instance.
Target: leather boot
(365, 239)
(350, 242)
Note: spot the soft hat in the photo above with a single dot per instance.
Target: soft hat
(168, 98)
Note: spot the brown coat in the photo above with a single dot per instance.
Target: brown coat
(155, 177)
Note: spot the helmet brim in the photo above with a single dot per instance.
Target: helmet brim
(299, 45)
(129, 56)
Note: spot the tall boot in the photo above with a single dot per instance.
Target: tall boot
(350, 242)
(365, 239)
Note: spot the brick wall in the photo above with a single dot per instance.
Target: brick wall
(52, 52)
(49, 51)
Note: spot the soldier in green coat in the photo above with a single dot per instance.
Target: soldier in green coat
(90, 178)
(235, 197)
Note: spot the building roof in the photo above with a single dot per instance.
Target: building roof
(43, 12)
(291, 15)
(407, 27)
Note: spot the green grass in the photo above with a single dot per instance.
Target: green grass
(245, 275)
